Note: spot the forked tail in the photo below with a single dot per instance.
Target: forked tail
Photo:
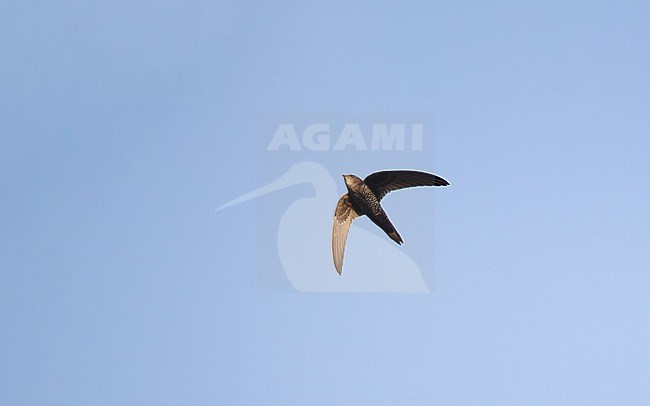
(396, 237)
(384, 223)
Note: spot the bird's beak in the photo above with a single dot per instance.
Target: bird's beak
(288, 179)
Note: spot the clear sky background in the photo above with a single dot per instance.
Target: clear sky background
(123, 125)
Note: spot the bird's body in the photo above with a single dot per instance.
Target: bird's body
(365, 202)
(363, 198)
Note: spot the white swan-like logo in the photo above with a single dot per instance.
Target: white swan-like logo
(373, 263)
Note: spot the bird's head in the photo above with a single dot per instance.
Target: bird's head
(352, 180)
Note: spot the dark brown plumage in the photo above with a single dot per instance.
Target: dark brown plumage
(363, 198)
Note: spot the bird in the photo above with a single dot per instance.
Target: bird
(364, 197)
(300, 242)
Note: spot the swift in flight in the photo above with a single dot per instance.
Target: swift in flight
(363, 198)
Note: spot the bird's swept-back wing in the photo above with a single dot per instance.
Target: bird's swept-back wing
(386, 181)
(343, 217)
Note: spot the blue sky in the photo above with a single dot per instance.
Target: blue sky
(124, 125)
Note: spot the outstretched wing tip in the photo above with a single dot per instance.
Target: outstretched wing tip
(383, 182)
(343, 217)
